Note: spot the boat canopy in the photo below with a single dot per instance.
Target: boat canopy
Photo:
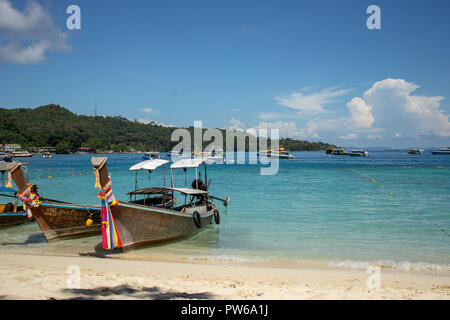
(151, 164)
(187, 163)
(152, 190)
(189, 191)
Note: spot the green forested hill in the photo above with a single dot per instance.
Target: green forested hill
(56, 126)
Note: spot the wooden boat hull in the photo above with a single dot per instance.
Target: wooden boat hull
(58, 220)
(139, 225)
(12, 219)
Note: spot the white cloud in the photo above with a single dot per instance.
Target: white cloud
(235, 124)
(397, 110)
(387, 109)
(311, 103)
(28, 35)
(148, 121)
(360, 113)
(349, 136)
(150, 111)
(286, 129)
(373, 136)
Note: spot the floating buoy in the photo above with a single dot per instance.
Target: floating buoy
(390, 193)
(49, 177)
(371, 180)
(88, 222)
(382, 187)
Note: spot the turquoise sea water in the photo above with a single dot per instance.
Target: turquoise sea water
(315, 210)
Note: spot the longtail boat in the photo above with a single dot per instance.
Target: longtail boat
(10, 213)
(157, 218)
(56, 219)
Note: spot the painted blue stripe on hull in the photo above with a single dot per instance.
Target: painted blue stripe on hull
(69, 206)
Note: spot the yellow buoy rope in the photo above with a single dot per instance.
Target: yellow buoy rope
(369, 178)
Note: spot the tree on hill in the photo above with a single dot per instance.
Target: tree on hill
(55, 126)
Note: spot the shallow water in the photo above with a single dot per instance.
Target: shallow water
(317, 209)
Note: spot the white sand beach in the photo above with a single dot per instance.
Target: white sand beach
(25, 276)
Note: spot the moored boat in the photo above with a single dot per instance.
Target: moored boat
(339, 152)
(131, 224)
(10, 213)
(214, 155)
(441, 151)
(20, 154)
(280, 154)
(151, 155)
(56, 219)
(358, 153)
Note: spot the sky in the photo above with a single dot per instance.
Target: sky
(312, 69)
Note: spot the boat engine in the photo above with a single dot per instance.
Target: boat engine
(199, 184)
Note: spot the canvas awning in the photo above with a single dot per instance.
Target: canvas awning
(189, 191)
(149, 191)
(187, 163)
(151, 164)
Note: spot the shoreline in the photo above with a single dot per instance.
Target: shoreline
(32, 276)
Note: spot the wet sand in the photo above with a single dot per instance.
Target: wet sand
(25, 276)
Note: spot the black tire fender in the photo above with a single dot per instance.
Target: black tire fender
(216, 216)
(197, 219)
(9, 208)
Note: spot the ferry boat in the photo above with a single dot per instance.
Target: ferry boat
(280, 154)
(358, 153)
(339, 152)
(442, 151)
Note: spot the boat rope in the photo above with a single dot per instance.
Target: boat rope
(440, 228)
(370, 179)
(437, 226)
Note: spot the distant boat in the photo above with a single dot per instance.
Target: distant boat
(215, 155)
(415, 151)
(20, 154)
(358, 153)
(339, 152)
(151, 155)
(280, 154)
(442, 151)
(329, 151)
(178, 155)
(46, 155)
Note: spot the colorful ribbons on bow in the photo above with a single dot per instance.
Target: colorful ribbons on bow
(29, 199)
(110, 235)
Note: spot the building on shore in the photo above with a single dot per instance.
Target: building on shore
(10, 148)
